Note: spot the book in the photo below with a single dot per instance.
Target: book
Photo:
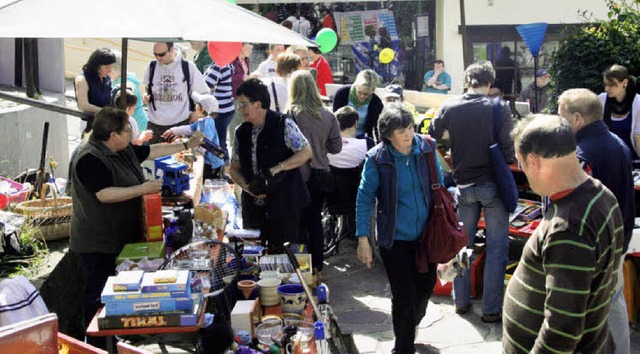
(109, 295)
(127, 280)
(141, 306)
(153, 320)
(165, 276)
(181, 284)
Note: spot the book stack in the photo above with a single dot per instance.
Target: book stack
(135, 299)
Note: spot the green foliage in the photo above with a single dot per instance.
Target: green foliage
(588, 50)
(34, 252)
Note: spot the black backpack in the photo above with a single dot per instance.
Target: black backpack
(185, 73)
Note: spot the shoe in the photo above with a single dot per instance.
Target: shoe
(461, 310)
(491, 318)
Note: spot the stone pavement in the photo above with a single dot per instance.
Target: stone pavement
(361, 298)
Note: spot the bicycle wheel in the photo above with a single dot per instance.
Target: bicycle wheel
(373, 237)
(330, 228)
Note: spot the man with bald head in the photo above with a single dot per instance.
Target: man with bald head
(606, 157)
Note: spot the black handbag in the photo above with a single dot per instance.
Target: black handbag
(507, 188)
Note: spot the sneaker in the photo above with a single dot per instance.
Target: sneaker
(491, 318)
(461, 310)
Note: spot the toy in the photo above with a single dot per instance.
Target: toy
(175, 176)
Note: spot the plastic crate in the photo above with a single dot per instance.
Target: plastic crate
(19, 196)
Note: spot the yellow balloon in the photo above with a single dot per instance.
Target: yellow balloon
(387, 55)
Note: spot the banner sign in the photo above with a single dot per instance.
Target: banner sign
(359, 26)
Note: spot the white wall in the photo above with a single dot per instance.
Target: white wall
(500, 12)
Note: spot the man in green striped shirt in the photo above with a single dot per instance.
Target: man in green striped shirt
(559, 296)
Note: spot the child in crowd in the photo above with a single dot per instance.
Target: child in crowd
(130, 101)
(203, 122)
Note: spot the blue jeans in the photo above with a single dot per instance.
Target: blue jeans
(471, 201)
(618, 318)
(222, 121)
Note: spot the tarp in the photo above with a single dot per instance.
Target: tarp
(207, 20)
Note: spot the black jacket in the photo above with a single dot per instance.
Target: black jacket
(341, 99)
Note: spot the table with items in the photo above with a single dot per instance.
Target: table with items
(168, 291)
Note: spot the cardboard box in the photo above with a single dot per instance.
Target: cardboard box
(152, 217)
(244, 315)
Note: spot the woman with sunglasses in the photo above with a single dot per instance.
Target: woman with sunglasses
(322, 130)
(622, 106)
(362, 98)
(93, 86)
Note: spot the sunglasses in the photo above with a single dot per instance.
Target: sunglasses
(244, 104)
(160, 55)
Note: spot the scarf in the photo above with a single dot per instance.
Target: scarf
(619, 108)
(353, 98)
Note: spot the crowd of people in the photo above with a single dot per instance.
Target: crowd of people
(283, 143)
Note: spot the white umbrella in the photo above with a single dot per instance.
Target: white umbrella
(206, 20)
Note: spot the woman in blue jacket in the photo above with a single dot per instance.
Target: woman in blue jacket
(397, 175)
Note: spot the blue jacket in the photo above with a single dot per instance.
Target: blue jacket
(207, 126)
(610, 161)
(402, 209)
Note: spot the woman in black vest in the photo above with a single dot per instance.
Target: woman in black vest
(267, 152)
(93, 86)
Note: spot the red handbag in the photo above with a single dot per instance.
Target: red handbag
(442, 236)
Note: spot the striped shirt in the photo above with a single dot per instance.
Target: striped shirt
(219, 81)
(558, 299)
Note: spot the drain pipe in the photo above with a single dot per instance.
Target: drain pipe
(463, 32)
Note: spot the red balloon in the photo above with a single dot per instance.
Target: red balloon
(224, 53)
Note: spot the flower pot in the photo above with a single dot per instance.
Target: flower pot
(247, 288)
(292, 298)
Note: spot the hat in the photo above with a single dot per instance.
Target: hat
(393, 91)
(541, 72)
(207, 101)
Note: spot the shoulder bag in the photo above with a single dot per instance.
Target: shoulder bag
(442, 236)
(507, 189)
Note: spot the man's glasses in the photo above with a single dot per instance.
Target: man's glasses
(160, 55)
(244, 104)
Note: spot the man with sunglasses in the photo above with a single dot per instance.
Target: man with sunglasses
(170, 80)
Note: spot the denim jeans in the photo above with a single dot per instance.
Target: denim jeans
(471, 202)
(222, 121)
(618, 318)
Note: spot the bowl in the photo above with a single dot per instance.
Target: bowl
(292, 298)
(290, 318)
(266, 330)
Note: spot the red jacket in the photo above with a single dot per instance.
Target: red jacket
(325, 76)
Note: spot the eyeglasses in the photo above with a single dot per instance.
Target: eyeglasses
(160, 55)
(243, 104)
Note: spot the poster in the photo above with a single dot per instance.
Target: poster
(360, 26)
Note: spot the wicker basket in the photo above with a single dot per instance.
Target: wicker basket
(51, 216)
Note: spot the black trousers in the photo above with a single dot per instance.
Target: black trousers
(274, 232)
(96, 268)
(311, 227)
(410, 292)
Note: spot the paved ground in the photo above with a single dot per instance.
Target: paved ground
(361, 298)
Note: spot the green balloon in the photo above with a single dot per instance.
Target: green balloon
(327, 40)
(233, 2)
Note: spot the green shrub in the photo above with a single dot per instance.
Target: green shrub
(588, 50)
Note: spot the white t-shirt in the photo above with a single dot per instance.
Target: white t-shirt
(266, 69)
(170, 95)
(352, 154)
(304, 27)
(281, 84)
